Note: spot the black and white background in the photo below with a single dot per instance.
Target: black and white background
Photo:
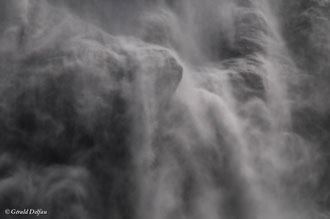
(165, 109)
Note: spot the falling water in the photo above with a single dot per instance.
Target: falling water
(160, 109)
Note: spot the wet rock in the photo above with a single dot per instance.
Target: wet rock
(251, 29)
(69, 101)
(246, 78)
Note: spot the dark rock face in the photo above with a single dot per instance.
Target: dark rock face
(306, 26)
(67, 114)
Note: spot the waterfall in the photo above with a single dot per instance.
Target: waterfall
(162, 109)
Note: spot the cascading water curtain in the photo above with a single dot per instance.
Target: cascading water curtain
(165, 109)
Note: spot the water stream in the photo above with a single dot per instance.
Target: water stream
(160, 109)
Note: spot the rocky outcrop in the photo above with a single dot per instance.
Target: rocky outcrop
(68, 92)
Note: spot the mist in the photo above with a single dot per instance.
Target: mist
(161, 109)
